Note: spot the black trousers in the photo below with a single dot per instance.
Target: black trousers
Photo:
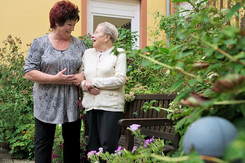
(44, 138)
(104, 130)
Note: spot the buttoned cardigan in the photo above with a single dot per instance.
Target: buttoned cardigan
(109, 75)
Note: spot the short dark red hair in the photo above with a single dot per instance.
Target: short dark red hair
(61, 12)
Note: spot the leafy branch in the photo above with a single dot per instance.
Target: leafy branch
(214, 47)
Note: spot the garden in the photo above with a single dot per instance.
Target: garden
(202, 61)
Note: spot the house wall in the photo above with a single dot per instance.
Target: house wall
(152, 7)
(28, 19)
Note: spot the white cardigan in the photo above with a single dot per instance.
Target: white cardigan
(109, 76)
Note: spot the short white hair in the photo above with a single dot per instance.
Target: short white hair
(110, 29)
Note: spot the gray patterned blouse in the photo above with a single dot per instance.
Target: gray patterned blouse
(54, 103)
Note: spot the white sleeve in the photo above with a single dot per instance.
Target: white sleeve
(118, 79)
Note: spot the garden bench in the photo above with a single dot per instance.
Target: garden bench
(153, 123)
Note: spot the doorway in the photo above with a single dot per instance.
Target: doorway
(121, 13)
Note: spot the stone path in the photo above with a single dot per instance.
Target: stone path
(5, 157)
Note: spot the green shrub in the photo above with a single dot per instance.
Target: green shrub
(16, 114)
(205, 63)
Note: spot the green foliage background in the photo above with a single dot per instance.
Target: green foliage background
(16, 118)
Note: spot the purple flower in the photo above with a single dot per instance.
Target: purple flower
(134, 148)
(148, 141)
(152, 139)
(134, 127)
(91, 153)
(100, 151)
(119, 151)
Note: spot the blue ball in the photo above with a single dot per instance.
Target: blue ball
(209, 136)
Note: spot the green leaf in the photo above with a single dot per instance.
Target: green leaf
(193, 116)
(192, 82)
(176, 85)
(164, 50)
(184, 54)
(236, 149)
(230, 42)
(180, 64)
(233, 10)
(183, 94)
(146, 63)
(240, 55)
(180, 123)
(157, 56)
(152, 48)
(18, 144)
(209, 52)
(174, 48)
(158, 108)
(207, 92)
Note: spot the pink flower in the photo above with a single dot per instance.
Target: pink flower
(134, 148)
(54, 156)
(134, 127)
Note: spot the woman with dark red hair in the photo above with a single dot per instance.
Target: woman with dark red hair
(53, 63)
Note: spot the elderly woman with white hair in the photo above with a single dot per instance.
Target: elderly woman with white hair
(103, 98)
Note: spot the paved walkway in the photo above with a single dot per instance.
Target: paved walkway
(5, 157)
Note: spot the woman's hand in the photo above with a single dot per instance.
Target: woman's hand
(61, 78)
(79, 78)
(43, 78)
(94, 91)
(87, 85)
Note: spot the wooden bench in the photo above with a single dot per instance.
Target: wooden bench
(153, 123)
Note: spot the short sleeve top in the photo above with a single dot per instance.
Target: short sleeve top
(55, 103)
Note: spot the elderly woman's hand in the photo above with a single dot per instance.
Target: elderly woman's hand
(94, 91)
(87, 85)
